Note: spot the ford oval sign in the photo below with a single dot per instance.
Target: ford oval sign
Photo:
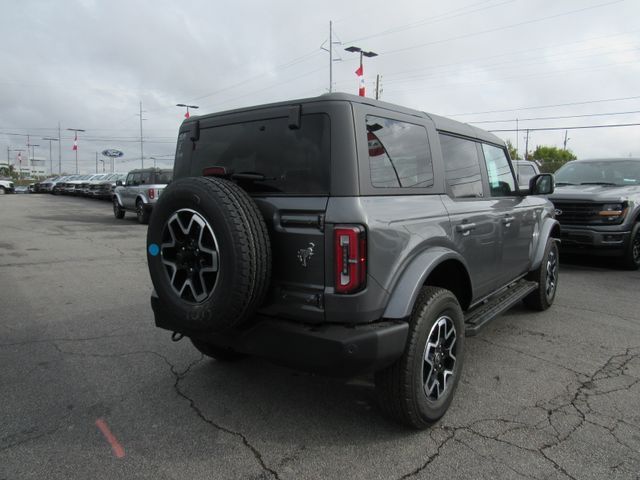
(112, 152)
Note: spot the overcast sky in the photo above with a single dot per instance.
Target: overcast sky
(88, 64)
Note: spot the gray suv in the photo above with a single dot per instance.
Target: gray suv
(344, 235)
(140, 192)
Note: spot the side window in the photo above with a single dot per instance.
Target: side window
(399, 154)
(462, 167)
(129, 179)
(135, 179)
(501, 180)
(145, 178)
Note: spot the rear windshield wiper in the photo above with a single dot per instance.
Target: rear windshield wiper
(599, 183)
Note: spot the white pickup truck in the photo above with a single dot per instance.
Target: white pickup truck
(6, 186)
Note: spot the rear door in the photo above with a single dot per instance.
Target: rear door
(475, 224)
(287, 155)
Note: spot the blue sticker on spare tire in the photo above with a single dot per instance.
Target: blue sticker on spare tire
(154, 249)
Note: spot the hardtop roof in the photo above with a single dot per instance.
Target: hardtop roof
(441, 123)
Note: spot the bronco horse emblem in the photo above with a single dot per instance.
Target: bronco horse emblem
(305, 254)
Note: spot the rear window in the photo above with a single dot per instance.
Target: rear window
(165, 176)
(292, 161)
(399, 154)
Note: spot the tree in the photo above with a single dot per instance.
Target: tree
(513, 153)
(552, 158)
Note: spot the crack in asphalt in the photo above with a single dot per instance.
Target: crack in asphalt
(179, 376)
(256, 453)
(22, 441)
(433, 457)
(575, 399)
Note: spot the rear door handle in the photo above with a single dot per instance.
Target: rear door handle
(465, 228)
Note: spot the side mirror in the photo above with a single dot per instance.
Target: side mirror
(118, 183)
(541, 184)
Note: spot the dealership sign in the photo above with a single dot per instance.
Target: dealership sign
(112, 152)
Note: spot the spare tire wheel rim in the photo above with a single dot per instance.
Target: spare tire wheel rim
(439, 359)
(190, 255)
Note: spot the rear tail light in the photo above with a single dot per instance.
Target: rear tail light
(152, 193)
(350, 258)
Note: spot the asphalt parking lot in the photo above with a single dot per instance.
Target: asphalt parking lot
(89, 388)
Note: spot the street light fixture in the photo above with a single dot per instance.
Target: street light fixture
(187, 115)
(75, 145)
(363, 53)
(50, 158)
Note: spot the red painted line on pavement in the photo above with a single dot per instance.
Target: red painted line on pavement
(118, 450)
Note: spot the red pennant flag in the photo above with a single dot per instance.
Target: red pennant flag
(360, 74)
(186, 115)
(75, 142)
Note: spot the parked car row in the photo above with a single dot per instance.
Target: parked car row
(100, 185)
(136, 191)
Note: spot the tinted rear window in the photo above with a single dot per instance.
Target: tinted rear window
(293, 161)
(165, 176)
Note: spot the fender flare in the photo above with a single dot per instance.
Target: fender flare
(414, 276)
(550, 228)
(144, 199)
(117, 197)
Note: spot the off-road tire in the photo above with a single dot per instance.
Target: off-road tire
(244, 253)
(2, 191)
(546, 275)
(118, 211)
(142, 213)
(631, 258)
(401, 387)
(218, 353)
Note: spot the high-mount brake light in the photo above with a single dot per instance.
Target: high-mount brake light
(350, 258)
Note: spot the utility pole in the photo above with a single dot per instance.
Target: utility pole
(59, 152)
(330, 50)
(141, 141)
(378, 91)
(51, 139)
(564, 146)
(96, 162)
(517, 137)
(330, 56)
(526, 147)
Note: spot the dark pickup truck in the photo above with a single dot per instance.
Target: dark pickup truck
(597, 203)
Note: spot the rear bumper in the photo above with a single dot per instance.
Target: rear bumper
(599, 242)
(332, 349)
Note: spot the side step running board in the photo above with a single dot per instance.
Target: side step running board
(502, 301)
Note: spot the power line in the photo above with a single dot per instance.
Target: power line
(457, 12)
(546, 106)
(579, 127)
(505, 27)
(556, 118)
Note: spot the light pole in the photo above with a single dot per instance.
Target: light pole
(187, 115)
(75, 143)
(50, 158)
(360, 70)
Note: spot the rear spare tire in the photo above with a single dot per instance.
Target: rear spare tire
(208, 253)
